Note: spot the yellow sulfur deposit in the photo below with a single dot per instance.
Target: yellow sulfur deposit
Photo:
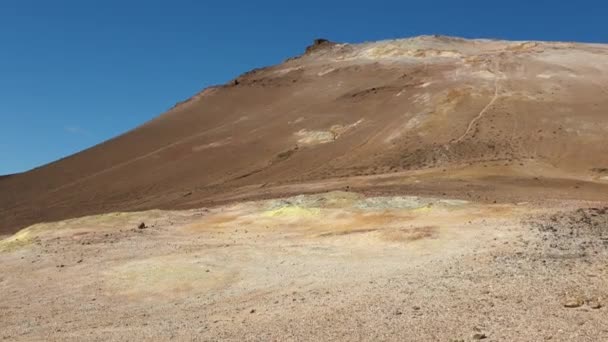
(21, 238)
(292, 211)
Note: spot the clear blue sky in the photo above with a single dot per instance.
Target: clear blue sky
(74, 73)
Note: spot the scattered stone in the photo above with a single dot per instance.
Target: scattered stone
(479, 336)
(398, 312)
(252, 311)
(416, 307)
(594, 304)
(573, 303)
(142, 226)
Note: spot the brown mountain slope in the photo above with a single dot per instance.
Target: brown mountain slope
(490, 119)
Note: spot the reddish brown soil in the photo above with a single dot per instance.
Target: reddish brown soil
(487, 120)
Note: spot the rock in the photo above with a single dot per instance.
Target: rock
(479, 336)
(573, 302)
(594, 304)
(142, 226)
(252, 311)
(318, 44)
(398, 312)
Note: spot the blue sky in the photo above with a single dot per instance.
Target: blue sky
(74, 73)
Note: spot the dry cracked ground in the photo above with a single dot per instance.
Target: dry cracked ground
(331, 266)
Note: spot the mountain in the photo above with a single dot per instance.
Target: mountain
(487, 119)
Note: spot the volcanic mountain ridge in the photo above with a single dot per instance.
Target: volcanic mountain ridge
(489, 120)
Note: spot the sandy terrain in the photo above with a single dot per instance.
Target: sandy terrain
(422, 189)
(333, 266)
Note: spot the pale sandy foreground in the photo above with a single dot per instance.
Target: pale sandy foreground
(335, 266)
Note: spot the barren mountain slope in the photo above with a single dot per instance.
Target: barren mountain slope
(493, 120)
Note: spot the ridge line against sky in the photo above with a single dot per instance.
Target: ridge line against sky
(75, 74)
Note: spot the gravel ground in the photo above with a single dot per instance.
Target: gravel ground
(281, 271)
